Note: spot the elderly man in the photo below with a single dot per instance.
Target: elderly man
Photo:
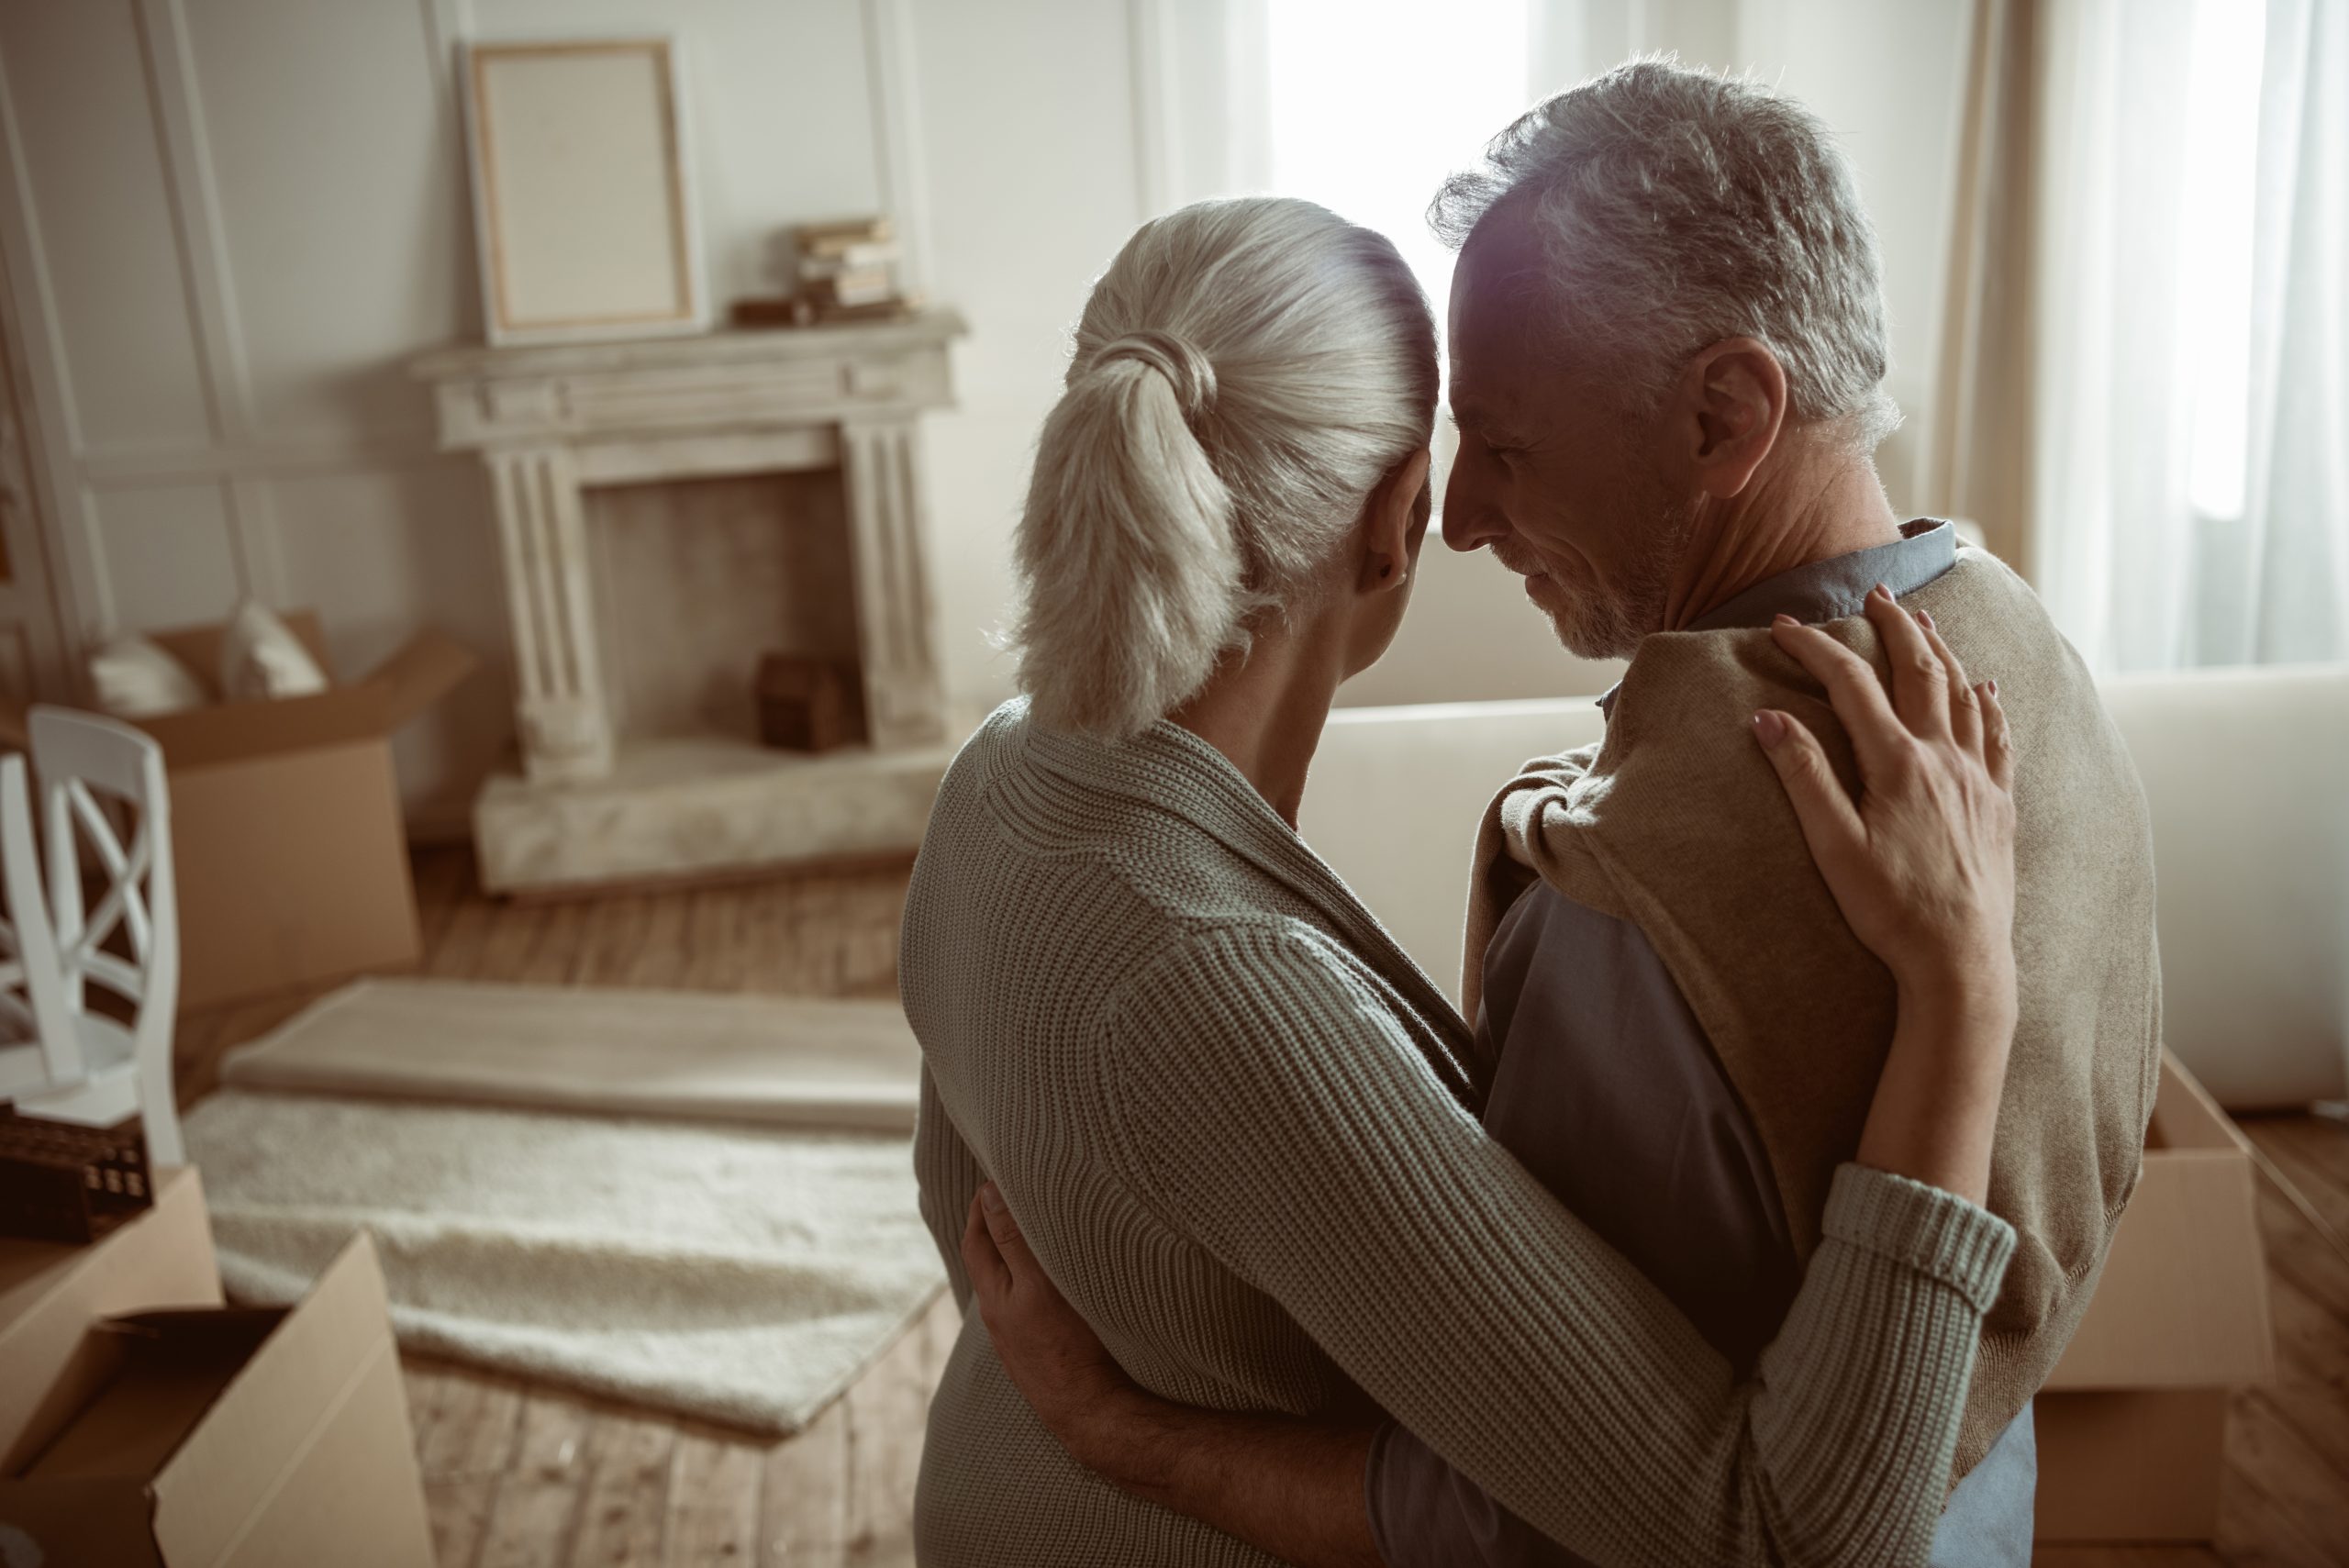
(1667, 354)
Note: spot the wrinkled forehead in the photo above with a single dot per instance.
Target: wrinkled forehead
(1500, 298)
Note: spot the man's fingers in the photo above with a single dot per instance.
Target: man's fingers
(1919, 686)
(1851, 687)
(1830, 823)
(981, 1260)
(1004, 1231)
(1998, 742)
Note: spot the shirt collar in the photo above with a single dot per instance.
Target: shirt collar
(1836, 587)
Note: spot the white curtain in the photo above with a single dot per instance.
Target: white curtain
(2191, 430)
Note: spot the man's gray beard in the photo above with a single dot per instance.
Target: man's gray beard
(1610, 625)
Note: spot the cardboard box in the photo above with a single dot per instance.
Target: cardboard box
(2133, 1422)
(234, 1438)
(50, 1292)
(287, 841)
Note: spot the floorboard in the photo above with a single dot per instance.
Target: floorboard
(520, 1475)
(713, 1501)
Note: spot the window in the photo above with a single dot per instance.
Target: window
(1373, 102)
(2214, 302)
(1370, 103)
(2188, 503)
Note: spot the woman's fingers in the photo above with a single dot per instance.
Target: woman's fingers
(1851, 687)
(1919, 686)
(1965, 712)
(1831, 823)
(1998, 742)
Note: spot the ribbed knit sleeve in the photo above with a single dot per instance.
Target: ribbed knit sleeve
(948, 1175)
(1274, 1111)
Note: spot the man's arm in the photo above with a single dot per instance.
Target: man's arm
(1288, 1487)
(946, 1175)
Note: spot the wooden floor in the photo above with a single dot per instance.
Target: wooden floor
(523, 1475)
(520, 1474)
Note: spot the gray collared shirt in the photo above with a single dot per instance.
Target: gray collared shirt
(1609, 1093)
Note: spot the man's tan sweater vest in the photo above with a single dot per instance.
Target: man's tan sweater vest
(1676, 823)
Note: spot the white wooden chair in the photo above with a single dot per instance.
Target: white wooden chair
(31, 986)
(78, 1065)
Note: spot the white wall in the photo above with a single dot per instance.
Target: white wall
(227, 224)
(1029, 141)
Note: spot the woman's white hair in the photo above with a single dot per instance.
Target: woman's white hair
(1677, 208)
(1246, 372)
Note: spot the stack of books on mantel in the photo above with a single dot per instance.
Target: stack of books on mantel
(847, 272)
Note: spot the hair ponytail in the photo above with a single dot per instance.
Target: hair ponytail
(1135, 579)
(1246, 373)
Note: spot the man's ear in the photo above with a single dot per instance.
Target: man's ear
(1732, 403)
(1393, 523)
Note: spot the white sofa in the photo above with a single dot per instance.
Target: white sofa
(2247, 772)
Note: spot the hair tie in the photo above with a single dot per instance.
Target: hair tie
(1186, 370)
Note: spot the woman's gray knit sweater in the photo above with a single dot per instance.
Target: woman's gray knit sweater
(1238, 1126)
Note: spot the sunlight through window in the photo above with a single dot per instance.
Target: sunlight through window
(2215, 286)
(1373, 102)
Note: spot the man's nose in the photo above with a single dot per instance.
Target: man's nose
(1471, 519)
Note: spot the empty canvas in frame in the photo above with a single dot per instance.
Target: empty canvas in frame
(581, 203)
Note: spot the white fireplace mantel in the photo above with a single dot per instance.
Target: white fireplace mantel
(555, 422)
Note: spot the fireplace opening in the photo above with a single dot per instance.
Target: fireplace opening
(695, 579)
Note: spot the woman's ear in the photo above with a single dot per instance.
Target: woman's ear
(1393, 523)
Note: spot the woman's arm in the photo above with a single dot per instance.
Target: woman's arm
(1321, 1163)
(1601, 1419)
(1316, 1157)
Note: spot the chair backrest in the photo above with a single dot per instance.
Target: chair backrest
(31, 987)
(96, 775)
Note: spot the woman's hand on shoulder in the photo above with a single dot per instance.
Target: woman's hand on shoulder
(1922, 864)
(1923, 861)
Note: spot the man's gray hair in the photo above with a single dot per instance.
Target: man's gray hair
(1677, 208)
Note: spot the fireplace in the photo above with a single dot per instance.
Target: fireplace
(692, 579)
(668, 512)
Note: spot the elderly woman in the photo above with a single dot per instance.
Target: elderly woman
(1238, 1126)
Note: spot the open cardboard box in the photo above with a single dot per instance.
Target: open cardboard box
(287, 841)
(228, 1437)
(51, 1291)
(2133, 1422)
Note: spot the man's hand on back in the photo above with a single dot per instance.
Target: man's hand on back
(1055, 1359)
(1289, 1487)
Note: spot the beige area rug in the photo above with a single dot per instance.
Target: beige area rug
(741, 1273)
(779, 1061)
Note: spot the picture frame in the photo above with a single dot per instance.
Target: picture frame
(584, 216)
